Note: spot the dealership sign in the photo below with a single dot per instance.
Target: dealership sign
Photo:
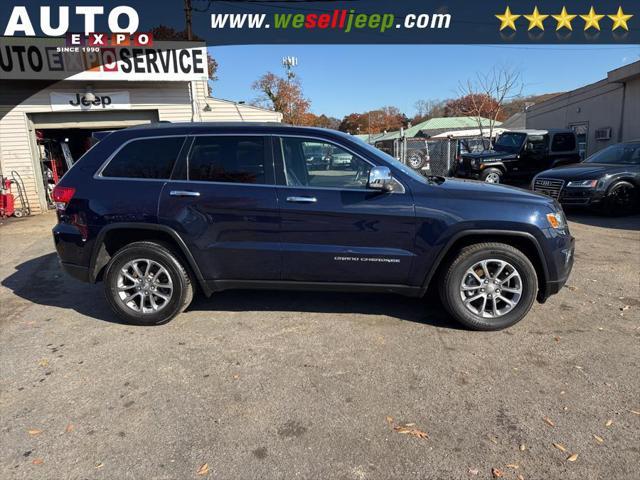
(54, 59)
(96, 101)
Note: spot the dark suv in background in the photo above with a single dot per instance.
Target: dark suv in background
(517, 155)
(155, 212)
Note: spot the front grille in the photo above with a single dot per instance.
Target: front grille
(548, 186)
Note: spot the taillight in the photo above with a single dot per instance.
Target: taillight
(62, 196)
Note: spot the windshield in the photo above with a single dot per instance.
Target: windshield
(620, 154)
(510, 142)
(400, 166)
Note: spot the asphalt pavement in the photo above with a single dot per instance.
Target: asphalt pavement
(255, 384)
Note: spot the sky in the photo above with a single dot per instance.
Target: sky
(342, 79)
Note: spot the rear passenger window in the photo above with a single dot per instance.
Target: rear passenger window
(145, 158)
(227, 159)
(563, 142)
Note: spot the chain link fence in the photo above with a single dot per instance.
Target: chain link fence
(428, 156)
(431, 156)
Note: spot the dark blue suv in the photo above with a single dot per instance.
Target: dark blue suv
(156, 211)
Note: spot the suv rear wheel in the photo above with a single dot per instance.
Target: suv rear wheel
(489, 286)
(146, 284)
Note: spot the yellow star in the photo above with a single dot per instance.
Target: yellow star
(564, 19)
(620, 19)
(592, 20)
(507, 19)
(535, 19)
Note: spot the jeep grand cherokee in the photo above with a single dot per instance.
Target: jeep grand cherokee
(155, 211)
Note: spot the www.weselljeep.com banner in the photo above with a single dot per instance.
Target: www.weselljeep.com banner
(331, 22)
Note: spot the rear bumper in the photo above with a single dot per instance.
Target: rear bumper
(76, 271)
(74, 251)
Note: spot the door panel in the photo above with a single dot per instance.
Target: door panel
(535, 158)
(231, 223)
(347, 236)
(335, 229)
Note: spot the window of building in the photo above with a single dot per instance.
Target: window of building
(315, 163)
(145, 158)
(227, 159)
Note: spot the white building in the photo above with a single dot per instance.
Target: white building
(70, 111)
(601, 114)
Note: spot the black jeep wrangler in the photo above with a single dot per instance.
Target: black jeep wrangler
(518, 155)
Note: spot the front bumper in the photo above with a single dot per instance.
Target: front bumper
(559, 267)
(467, 173)
(583, 197)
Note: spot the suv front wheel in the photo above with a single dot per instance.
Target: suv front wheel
(146, 284)
(491, 175)
(489, 286)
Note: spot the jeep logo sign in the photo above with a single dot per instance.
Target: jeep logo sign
(83, 101)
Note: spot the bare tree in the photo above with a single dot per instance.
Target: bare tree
(426, 109)
(484, 96)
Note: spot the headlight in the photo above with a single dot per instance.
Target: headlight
(583, 183)
(557, 220)
(473, 163)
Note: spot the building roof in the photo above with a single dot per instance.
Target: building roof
(517, 120)
(216, 109)
(622, 74)
(365, 137)
(438, 123)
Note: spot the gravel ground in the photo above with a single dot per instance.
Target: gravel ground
(311, 385)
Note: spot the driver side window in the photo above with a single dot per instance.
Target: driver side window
(315, 163)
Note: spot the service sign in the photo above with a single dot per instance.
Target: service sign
(96, 101)
(60, 59)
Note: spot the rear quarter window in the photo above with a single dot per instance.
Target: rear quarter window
(563, 142)
(152, 158)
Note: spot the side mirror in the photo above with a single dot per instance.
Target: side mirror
(380, 179)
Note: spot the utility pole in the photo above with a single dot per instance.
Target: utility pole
(288, 63)
(187, 17)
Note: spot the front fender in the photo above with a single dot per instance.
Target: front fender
(451, 242)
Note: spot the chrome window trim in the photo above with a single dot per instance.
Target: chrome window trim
(306, 187)
(98, 175)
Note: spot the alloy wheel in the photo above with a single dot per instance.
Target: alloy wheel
(144, 286)
(491, 288)
(622, 196)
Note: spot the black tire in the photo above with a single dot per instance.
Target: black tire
(182, 293)
(622, 198)
(416, 160)
(490, 174)
(452, 279)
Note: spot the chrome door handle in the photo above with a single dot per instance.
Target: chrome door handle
(302, 199)
(183, 193)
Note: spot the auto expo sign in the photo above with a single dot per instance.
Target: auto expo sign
(55, 59)
(96, 101)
